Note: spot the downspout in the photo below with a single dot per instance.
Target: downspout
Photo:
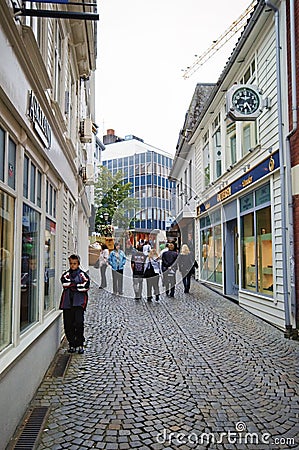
(288, 153)
(288, 326)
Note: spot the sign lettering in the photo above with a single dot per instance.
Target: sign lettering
(39, 120)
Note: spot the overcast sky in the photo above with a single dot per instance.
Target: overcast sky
(142, 48)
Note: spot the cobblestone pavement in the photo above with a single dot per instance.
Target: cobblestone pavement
(159, 375)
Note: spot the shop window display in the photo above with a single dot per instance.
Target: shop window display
(30, 267)
(256, 242)
(211, 254)
(49, 272)
(6, 267)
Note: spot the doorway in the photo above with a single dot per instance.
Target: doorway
(231, 258)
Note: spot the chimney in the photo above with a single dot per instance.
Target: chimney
(110, 137)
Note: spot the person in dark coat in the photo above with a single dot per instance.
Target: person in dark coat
(186, 266)
(169, 268)
(73, 302)
(137, 266)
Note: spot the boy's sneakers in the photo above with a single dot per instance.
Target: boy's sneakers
(71, 349)
(80, 351)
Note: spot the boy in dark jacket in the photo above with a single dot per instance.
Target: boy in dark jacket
(73, 302)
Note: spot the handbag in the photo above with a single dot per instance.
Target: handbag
(149, 272)
(97, 264)
(171, 272)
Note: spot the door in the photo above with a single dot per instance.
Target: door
(231, 258)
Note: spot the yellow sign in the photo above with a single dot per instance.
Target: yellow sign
(247, 181)
(224, 194)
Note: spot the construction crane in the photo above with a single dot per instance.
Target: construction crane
(236, 26)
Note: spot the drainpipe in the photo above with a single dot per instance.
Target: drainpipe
(288, 153)
(288, 326)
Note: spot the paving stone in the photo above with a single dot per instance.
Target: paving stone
(196, 364)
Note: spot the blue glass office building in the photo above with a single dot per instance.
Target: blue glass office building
(147, 168)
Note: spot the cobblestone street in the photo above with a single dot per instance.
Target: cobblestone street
(159, 375)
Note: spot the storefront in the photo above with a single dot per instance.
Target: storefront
(238, 231)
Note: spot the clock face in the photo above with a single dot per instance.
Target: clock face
(245, 101)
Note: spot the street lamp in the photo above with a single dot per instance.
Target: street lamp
(106, 217)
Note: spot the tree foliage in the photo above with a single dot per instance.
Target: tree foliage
(112, 196)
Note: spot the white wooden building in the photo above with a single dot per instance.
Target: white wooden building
(241, 175)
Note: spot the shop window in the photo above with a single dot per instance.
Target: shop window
(6, 267)
(11, 164)
(256, 242)
(49, 271)
(211, 252)
(30, 267)
(249, 252)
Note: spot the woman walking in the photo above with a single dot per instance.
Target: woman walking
(103, 261)
(152, 270)
(186, 266)
(117, 260)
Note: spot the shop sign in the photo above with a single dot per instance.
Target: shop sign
(40, 123)
(258, 172)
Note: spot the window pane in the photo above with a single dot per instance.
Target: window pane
(248, 252)
(246, 139)
(6, 266)
(218, 254)
(32, 182)
(39, 189)
(262, 195)
(29, 267)
(2, 153)
(50, 235)
(11, 164)
(210, 254)
(264, 236)
(26, 177)
(246, 202)
(233, 149)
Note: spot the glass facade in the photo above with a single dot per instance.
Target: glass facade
(148, 173)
